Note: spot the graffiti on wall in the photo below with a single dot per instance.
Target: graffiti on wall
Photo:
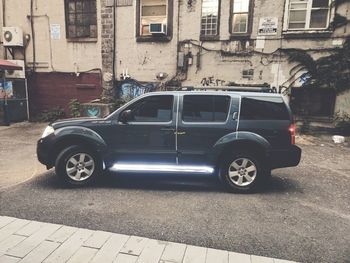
(211, 81)
(281, 90)
(130, 89)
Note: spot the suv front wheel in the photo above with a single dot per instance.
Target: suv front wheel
(241, 172)
(77, 165)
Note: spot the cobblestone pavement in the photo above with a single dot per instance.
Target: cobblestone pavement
(33, 241)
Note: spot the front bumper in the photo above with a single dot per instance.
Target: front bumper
(285, 158)
(43, 151)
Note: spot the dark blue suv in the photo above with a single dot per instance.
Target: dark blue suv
(238, 136)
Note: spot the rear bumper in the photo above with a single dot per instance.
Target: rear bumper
(285, 158)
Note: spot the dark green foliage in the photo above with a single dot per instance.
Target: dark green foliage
(338, 21)
(74, 108)
(52, 114)
(332, 71)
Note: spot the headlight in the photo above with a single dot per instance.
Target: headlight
(48, 130)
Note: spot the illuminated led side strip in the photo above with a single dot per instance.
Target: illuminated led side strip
(161, 168)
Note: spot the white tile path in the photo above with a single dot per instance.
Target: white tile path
(28, 241)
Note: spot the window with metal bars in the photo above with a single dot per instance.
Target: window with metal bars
(81, 20)
(210, 18)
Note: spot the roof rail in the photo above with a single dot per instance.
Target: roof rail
(265, 89)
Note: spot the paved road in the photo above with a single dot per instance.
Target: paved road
(302, 215)
(18, 160)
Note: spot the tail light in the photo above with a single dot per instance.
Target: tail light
(291, 130)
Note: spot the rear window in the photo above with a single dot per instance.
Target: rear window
(263, 108)
(205, 108)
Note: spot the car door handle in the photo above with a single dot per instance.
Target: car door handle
(180, 133)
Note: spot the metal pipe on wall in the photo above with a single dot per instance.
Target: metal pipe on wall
(114, 44)
(3, 6)
(33, 33)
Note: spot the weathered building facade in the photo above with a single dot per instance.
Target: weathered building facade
(176, 43)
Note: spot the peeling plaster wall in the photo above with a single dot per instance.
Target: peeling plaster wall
(274, 70)
(342, 104)
(143, 60)
(53, 55)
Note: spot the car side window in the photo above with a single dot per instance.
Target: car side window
(263, 108)
(152, 109)
(205, 108)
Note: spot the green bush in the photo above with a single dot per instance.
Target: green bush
(52, 114)
(74, 107)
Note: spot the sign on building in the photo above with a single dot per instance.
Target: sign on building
(268, 26)
(55, 31)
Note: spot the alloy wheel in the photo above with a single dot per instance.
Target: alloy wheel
(80, 167)
(242, 172)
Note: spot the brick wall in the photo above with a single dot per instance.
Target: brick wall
(48, 90)
(107, 31)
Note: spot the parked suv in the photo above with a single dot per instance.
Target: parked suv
(237, 136)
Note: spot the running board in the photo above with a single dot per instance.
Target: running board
(162, 168)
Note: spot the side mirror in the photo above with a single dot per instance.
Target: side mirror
(125, 116)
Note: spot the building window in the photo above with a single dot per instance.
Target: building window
(210, 18)
(153, 15)
(81, 20)
(308, 14)
(240, 16)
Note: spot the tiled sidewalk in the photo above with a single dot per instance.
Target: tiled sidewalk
(31, 241)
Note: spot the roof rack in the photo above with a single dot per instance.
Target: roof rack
(265, 89)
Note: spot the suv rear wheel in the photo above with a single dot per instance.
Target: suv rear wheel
(77, 165)
(241, 172)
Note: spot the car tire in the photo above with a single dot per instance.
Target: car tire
(77, 165)
(241, 172)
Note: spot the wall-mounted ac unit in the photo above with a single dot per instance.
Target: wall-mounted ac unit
(157, 28)
(12, 36)
(16, 74)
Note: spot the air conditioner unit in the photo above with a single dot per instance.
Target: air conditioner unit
(12, 36)
(16, 74)
(157, 28)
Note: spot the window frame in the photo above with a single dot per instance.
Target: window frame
(155, 38)
(210, 37)
(245, 35)
(151, 122)
(66, 20)
(263, 101)
(206, 122)
(309, 9)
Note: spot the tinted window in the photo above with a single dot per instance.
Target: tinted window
(263, 108)
(205, 108)
(152, 109)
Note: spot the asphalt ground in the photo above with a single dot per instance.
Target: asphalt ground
(301, 214)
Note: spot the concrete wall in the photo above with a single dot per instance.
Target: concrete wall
(143, 60)
(53, 55)
(343, 103)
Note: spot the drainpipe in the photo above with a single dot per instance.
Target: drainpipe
(4, 24)
(33, 33)
(114, 45)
